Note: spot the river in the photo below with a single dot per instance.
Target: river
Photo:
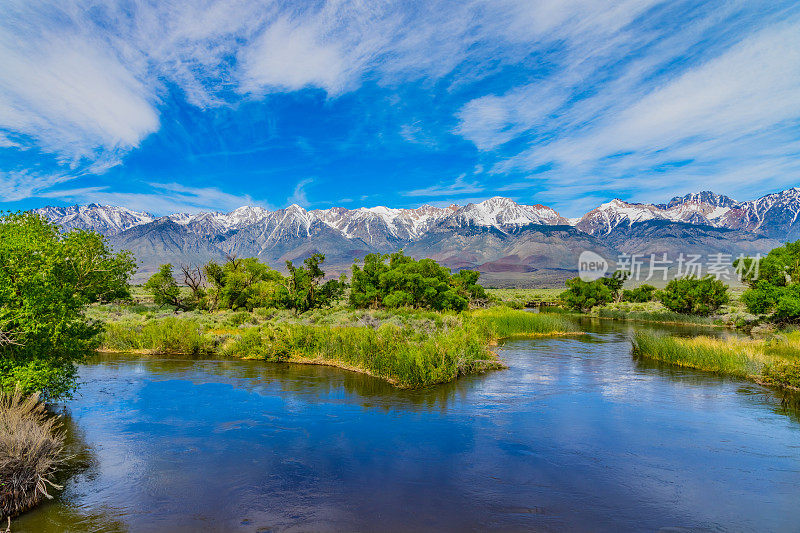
(575, 435)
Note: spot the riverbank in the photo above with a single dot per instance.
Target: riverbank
(772, 360)
(31, 448)
(407, 347)
(732, 315)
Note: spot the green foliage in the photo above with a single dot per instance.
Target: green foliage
(306, 290)
(46, 280)
(774, 283)
(641, 294)
(406, 282)
(583, 295)
(695, 296)
(164, 335)
(163, 287)
(245, 284)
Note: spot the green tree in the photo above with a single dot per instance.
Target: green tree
(404, 281)
(584, 295)
(305, 287)
(164, 288)
(46, 280)
(774, 283)
(244, 284)
(642, 293)
(695, 296)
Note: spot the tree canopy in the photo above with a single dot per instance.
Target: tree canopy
(694, 296)
(774, 283)
(46, 279)
(404, 281)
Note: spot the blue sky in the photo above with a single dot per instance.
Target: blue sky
(184, 106)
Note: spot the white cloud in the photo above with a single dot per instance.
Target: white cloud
(72, 96)
(291, 56)
(459, 187)
(18, 185)
(299, 196)
(162, 198)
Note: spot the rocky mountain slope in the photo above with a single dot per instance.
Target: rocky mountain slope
(497, 236)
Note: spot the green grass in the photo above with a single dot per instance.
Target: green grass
(774, 360)
(409, 347)
(500, 322)
(161, 335)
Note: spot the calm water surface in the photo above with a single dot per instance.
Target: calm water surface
(575, 435)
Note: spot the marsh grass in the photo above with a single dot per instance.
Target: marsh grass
(161, 335)
(31, 449)
(774, 360)
(501, 322)
(408, 347)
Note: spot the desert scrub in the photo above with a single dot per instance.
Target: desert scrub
(774, 360)
(161, 335)
(31, 449)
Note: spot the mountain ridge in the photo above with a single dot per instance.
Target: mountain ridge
(495, 236)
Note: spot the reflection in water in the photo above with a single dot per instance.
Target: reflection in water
(575, 435)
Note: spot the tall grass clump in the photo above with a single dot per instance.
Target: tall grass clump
(499, 322)
(403, 355)
(774, 360)
(704, 353)
(162, 335)
(31, 448)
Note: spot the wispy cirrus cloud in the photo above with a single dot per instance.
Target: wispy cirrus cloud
(578, 98)
(459, 187)
(160, 198)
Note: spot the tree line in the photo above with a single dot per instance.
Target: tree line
(383, 281)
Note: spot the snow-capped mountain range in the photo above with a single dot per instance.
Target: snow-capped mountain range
(774, 214)
(497, 233)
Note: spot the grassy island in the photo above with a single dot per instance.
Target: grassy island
(772, 360)
(407, 347)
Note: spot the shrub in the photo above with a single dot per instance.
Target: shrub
(406, 282)
(695, 296)
(583, 295)
(641, 294)
(31, 448)
(774, 283)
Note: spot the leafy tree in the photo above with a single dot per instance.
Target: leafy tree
(164, 288)
(614, 283)
(774, 283)
(46, 279)
(584, 295)
(305, 287)
(404, 281)
(642, 293)
(244, 284)
(695, 296)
